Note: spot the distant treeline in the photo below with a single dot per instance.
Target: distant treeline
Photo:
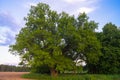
(10, 68)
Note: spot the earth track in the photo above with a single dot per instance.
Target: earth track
(12, 75)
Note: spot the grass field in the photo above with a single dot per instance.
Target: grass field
(72, 77)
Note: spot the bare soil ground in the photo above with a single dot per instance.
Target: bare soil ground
(12, 75)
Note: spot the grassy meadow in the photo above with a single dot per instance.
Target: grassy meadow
(72, 77)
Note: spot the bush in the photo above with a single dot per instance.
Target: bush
(41, 69)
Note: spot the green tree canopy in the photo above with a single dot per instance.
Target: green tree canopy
(109, 62)
(56, 40)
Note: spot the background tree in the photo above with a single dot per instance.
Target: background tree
(56, 41)
(110, 39)
(90, 51)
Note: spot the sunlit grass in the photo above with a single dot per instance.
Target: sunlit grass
(72, 77)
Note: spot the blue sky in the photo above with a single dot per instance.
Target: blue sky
(12, 13)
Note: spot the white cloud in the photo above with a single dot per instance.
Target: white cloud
(81, 1)
(7, 58)
(29, 4)
(86, 9)
(8, 29)
(74, 7)
(75, 1)
(6, 35)
(3, 34)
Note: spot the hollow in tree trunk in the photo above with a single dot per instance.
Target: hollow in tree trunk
(54, 72)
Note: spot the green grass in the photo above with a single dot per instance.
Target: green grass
(72, 77)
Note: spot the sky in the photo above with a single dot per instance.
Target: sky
(12, 13)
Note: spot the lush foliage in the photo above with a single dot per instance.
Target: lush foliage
(110, 39)
(72, 77)
(56, 41)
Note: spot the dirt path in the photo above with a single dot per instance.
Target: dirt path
(12, 75)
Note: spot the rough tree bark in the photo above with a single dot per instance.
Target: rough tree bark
(54, 72)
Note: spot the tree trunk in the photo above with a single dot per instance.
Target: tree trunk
(54, 72)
